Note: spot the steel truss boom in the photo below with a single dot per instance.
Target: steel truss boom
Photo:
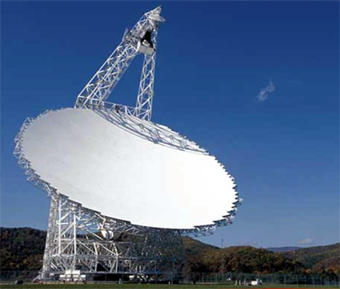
(141, 39)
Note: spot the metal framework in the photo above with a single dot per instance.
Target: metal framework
(141, 39)
(81, 239)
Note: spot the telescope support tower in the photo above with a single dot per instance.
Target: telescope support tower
(83, 240)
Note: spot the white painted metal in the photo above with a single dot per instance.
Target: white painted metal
(98, 246)
(134, 42)
(104, 165)
(74, 242)
(146, 86)
(129, 169)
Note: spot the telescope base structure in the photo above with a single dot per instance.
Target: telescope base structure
(84, 241)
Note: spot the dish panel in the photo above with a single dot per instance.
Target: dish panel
(128, 169)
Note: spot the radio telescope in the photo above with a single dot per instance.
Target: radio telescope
(123, 189)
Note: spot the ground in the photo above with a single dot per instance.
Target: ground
(147, 286)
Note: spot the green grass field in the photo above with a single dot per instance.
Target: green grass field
(148, 286)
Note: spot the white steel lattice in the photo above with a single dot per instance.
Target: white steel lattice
(145, 93)
(142, 38)
(80, 238)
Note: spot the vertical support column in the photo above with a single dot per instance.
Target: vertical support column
(74, 223)
(57, 220)
(50, 238)
(61, 240)
(146, 85)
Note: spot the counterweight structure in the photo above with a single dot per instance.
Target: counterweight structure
(83, 241)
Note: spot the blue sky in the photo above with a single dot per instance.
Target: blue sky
(257, 83)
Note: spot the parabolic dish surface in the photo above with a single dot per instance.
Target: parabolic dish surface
(128, 169)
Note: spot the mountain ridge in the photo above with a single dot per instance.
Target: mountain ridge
(283, 249)
(23, 248)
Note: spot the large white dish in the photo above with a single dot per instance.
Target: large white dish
(128, 169)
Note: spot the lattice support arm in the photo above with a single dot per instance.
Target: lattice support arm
(146, 86)
(140, 39)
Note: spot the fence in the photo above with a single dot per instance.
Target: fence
(11, 276)
(226, 278)
(284, 279)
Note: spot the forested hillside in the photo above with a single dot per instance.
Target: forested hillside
(205, 258)
(22, 249)
(322, 259)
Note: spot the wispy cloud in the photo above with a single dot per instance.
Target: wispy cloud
(306, 241)
(295, 81)
(264, 92)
